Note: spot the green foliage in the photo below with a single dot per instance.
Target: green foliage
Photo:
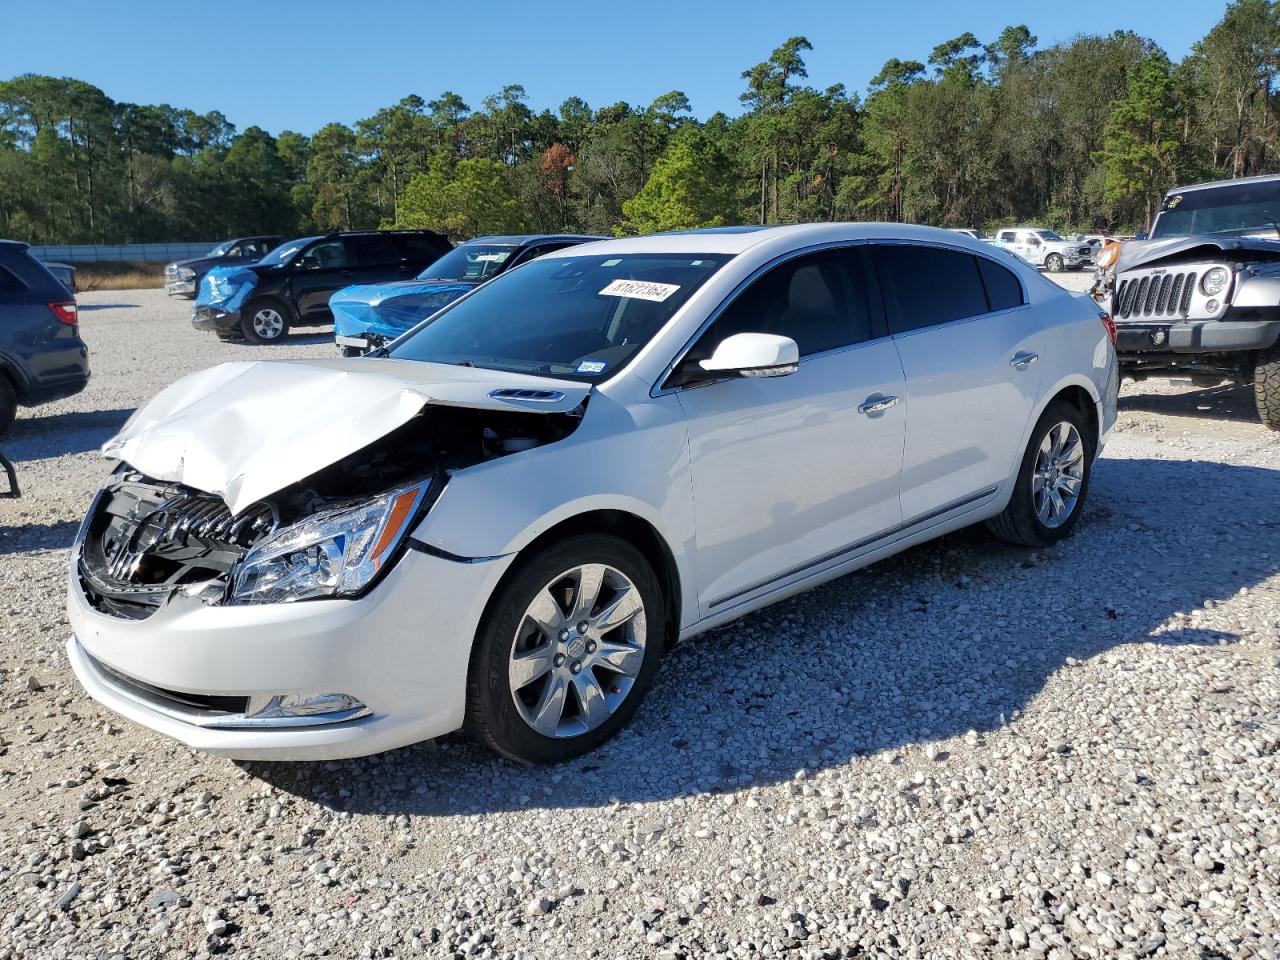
(690, 187)
(1082, 134)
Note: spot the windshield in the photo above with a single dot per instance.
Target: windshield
(284, 253)
(471, 261)
(219, 251)
(1239, 208)
(582, 318)
(1047, 235)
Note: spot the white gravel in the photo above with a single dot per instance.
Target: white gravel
(970, 750)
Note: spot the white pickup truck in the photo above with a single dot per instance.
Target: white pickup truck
(1044, 248)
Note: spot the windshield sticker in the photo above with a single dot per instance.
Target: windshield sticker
(1173, 201)
(611, 263)
(592, 366)
(640, 290)
(490, 257)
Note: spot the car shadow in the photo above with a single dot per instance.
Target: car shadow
(37, 536)
(88, 307)
(1228, 401)
(878, 661)
(55, 435)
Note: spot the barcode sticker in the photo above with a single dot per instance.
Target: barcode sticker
(640, 290)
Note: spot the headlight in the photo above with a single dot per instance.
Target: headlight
(185, 273)
(1214, 281)
(332, 554)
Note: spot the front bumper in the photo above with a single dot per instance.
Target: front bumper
(402, 650)
(219, 321)
(180, 288)
(1195, 336)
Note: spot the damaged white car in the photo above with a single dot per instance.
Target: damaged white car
(500, 521)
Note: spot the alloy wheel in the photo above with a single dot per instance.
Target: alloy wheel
(267, 323)
(1058, 475)
(577, 651)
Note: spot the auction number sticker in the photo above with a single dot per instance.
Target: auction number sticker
(640, 290)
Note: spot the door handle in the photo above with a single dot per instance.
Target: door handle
(1023, 359)
(877, 404)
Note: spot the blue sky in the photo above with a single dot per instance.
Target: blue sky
(299, 65)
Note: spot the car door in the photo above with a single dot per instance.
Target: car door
(969, 347)
(790, 473)
(318, 271)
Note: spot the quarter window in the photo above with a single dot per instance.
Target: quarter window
(1004, 291)
(924, 286)
(9, 283)
(818, 300)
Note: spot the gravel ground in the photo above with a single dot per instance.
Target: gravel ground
(969, 750)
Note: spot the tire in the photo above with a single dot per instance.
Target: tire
(504, 703)
(1266, 387)
(1023, 521)
(352, 352)
(264, 321)
(8, 405)
(1053, 263)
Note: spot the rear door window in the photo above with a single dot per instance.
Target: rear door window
(372, 251)
(1004, 290)
(925, 286)
(419, 248)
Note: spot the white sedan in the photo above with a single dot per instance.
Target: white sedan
(502, 520)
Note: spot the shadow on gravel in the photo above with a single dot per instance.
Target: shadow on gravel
(952, 636)
(37, 536)
(38, 438)
(85, 307)
(1225, 402)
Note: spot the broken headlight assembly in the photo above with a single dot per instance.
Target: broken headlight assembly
(337, 553)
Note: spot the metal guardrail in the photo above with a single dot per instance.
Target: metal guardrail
(151, 252)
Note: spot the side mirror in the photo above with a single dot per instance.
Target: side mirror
(754, 355)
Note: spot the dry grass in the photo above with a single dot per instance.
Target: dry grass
(118, 275)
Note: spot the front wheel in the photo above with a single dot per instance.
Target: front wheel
(1053, 263)
(567, 650)
(1052, 482)
(1266, 387)
(264, 321)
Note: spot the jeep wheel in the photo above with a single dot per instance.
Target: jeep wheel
(8, 404)
(264, 321)
(1266, 387)
(1053, 263)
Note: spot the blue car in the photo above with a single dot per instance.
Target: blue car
(369, 315)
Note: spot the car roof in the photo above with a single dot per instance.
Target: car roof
(733, 241)
(523, 239)
(1261, 178)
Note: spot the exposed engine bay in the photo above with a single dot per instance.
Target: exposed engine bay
(144, 538)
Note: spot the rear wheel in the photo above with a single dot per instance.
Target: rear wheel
(567, 650)
(264, 321)
(1053, 480)
(8, 405)
(1053, 263)
(1266, 387)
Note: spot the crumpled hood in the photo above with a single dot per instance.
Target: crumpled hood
(245, 430)
(1139, 253)
(391, 308)
(226, 288)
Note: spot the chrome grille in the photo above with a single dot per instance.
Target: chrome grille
(1155, 295)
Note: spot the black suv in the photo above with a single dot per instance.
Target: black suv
(42, 357)
(291, 285)
(182, 277)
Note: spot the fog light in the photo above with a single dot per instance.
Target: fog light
(1158, 337)
(333, 706)
(1212, 306)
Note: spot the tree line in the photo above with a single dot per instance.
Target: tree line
(1084, 134)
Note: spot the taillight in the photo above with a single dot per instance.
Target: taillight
(65, 310)
(1110, 326)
